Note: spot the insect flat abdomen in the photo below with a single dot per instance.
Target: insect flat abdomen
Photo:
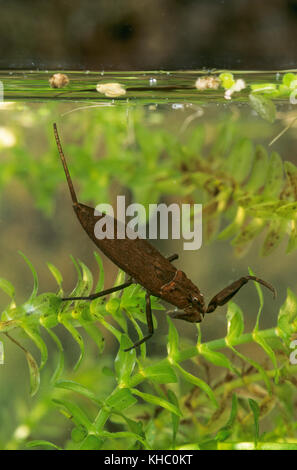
(137, 257)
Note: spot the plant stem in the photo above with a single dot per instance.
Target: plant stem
(213, 345)
(221, 343)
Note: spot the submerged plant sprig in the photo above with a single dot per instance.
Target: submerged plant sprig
(257, 191)
(143, 387)
(261, 95)
(46, 311)
(230, 176)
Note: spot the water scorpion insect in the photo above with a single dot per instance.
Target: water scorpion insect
(146, 266)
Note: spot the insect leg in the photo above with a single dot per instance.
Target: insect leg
(226, 294)
(172, 257)
(149, 319)
(102, 293)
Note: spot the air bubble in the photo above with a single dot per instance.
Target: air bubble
(153, 82)
(177, 106)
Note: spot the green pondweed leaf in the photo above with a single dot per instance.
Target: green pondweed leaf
(233, 228)
(263, 106)
(60, 363)
(216, 358)
(151, 432)
(287, 211)
(34, 373)
(240, 160)
(256, 413)
(175, 418)
(76, 336)
(56, 273)
(156, 304)
(227, 80)
(157, 401)
(287, 318)
(120, 399)
(84, 282)
(290, 80)
(269, 351)
(125, 361)
(34, 333)
(78, 388)
(235, 329)
(226, 430)
(135, 426)
(247, 233)
(291, 186)
(161, 373)
(7, 287)
(233, 412)
(87, 278)
(113, 305)
(35, 278)
(235, 324)
(276, 231)
(266, 88)
(173, 341)
(46, 306)
(116, 333)
(100, 282)
(199, 383)
(274, 177)
(292, 243)
(94, 332)
(261, 299)
(258, 338)
(41, 443)
(33, 367)
(74, 412)
(259, 170)
(264, 210)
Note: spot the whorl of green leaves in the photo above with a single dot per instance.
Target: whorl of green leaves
(244, 191)
(142, 384)
(257, 191)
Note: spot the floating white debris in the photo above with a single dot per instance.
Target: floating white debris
(153, 82)
(211, 82)
(112, 90)
(177, 106)
(58, 80)
(238, 86)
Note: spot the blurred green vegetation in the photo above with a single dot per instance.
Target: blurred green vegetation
(150, 154)
(130, 409)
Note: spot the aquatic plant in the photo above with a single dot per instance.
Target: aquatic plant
(245, 191)
(170, 402)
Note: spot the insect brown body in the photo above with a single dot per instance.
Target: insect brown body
(148, 267)
(142, 262)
